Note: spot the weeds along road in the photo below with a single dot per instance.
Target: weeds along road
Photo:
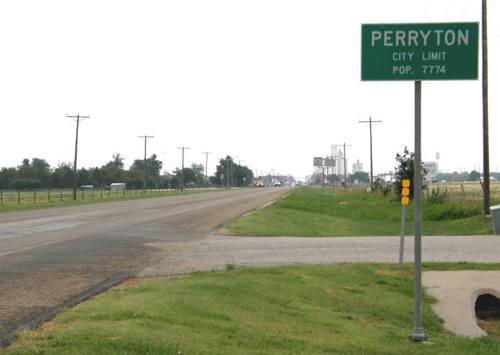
(56, 257)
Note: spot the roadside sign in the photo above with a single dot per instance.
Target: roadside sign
(427, 51)
(405, 192)
(318, 161)
(329, 162)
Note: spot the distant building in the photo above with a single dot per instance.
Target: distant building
(357, 167)
(432, 171)
(338, 159)
(118, 186)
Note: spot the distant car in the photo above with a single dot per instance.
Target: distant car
(277, 184)
(259, 184)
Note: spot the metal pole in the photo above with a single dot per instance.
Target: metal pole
(371, 157)
(402, 238)
(486, 153)
(418, 330)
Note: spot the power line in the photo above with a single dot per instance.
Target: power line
(77, 119)
(465, 9)
(426, 9)
(145, 148)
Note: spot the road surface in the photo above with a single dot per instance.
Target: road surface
(54, 258)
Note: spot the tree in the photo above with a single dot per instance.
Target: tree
(230, 174)
(359, 177)
(113, 171)
(135, 175)
(7, 175)
(333, 179)
(473, 176)
(405, 170)
(62, 176)
(223, 172)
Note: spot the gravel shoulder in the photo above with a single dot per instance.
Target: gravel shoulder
(215, 252)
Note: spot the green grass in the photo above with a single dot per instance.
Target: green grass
(27, 203)
(307, 212)
(350, 309)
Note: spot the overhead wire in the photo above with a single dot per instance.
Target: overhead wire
(465, 9)
(426, 9)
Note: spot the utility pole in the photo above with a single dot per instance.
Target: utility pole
(206, 166)
(145, 149)
(370, 121)
(77, 119)
(232, 171)
(182, 167)
(345, 162)
(486, 148)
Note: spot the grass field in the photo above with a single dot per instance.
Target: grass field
(464, 191)
(349, 309)
(27, 200)
(307, 212)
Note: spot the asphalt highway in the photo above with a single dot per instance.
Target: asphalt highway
(54, 258)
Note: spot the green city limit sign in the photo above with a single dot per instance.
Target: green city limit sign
(428, 51)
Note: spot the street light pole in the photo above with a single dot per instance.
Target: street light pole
(370, 121)
(77, 119)
(206, 166)
(486, 149)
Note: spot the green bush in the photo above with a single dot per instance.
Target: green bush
(451, 211)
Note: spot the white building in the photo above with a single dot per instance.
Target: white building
(357, 167)
(432, 171)
(338, 156)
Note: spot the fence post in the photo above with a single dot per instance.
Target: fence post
(83, 194)
(48, 195)
(1, 198)
(101, 193)
(60, 197)
(34, 196)
(92, 195)
(18, 197)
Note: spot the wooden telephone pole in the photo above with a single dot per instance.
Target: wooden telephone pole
(77, 119)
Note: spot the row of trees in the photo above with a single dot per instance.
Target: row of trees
(37, 173)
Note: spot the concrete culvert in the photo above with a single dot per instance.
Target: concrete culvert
(487, 310)
(487, 307)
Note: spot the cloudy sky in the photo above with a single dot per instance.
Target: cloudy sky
(272, 82)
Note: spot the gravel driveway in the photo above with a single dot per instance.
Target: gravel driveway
(215, 252)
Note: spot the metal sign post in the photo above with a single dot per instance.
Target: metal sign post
(418, 330)
(405, 201)
(416, 52)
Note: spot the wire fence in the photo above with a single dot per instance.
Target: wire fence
(19, 197)
(463, 191)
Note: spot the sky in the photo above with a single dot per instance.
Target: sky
(273, 83)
